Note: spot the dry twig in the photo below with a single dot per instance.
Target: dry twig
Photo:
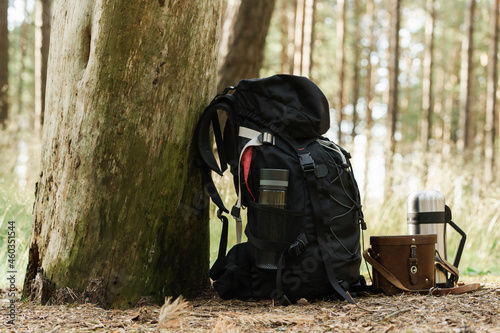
(224, 326)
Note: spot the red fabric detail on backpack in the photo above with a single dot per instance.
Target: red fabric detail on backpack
(246, 160)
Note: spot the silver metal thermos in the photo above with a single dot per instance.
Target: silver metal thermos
(271, 223)
(428, 214)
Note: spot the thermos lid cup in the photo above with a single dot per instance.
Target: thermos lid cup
(426, 207)
(425, 201)
(274, 178)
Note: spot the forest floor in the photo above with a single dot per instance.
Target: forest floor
(477, 311)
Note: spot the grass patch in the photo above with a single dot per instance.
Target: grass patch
(17, 173)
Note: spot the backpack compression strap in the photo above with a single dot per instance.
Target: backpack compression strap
(309, 167)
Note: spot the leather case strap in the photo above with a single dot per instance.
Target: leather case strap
(369, 257)
(368, 254)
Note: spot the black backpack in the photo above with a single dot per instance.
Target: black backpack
(303, 204)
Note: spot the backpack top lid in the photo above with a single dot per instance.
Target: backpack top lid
(284, 103)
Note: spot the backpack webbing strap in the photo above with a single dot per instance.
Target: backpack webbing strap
(264, 244)
(278, 294)
(218, 267)
(308, 167)
(216, 124)
(295, 249)
(208, 182)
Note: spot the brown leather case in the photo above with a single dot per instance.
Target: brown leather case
(409, 259)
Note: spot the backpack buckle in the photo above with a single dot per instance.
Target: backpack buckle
(307, 162)
(267, 138)
(299, 246)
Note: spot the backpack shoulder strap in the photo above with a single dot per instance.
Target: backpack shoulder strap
(218, 115)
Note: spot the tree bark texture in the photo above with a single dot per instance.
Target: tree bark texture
(42, 40)
(245, 45)
(118, 196)
(4, 61)
(466, 69)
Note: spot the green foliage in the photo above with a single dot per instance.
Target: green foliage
(16, 202)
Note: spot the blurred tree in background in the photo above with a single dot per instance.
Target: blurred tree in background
(4, 62)
(42, 41)
(243, 38)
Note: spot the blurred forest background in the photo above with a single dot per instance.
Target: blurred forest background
(412, 86)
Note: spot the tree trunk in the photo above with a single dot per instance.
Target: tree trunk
(303, 37)
(438, 109)
(228, 22)
(491, 97)
(298, 35)
(23, 45)
(466, 68)
(392, 105)
(4, 61)
(307, 33)
(285, 57)
(42, 39)
(119, 197)
(370, 12)
(287, 29)
(341, 7)
(450, 126)
(355, 79)
(245, 45)
(427, 106)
